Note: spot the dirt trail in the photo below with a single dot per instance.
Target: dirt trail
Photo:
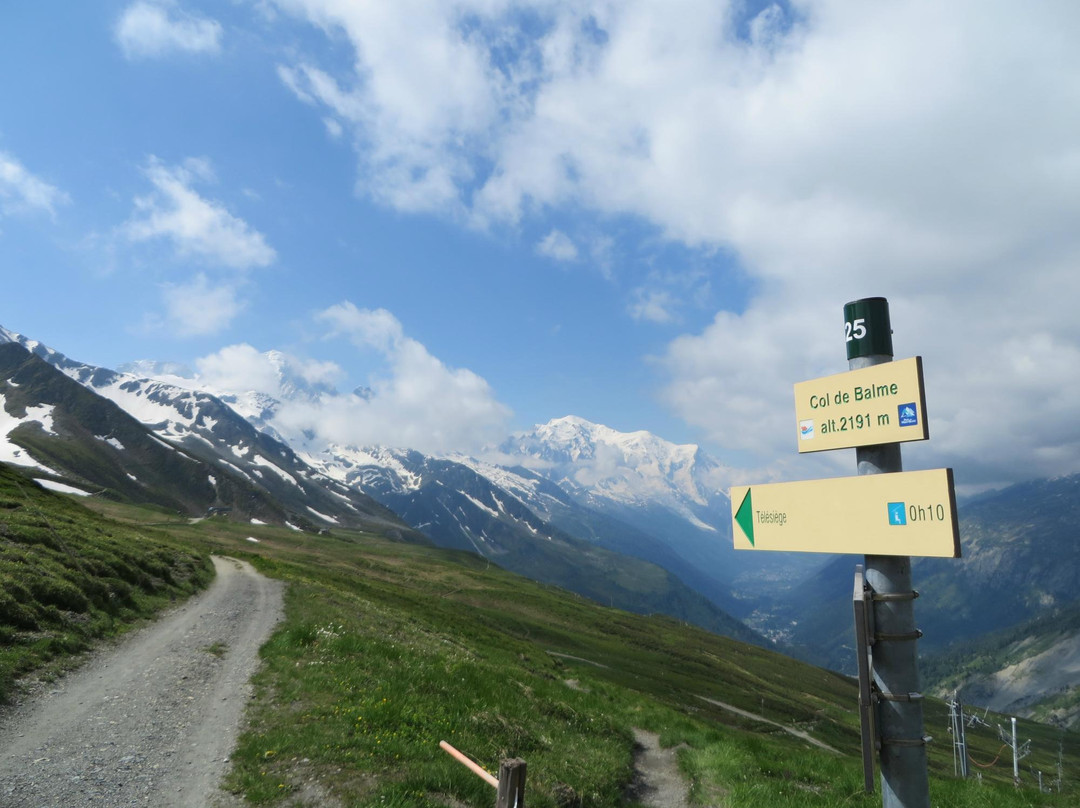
(658, 783)
(798, 733)
(152, 721)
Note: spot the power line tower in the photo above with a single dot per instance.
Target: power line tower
(1019, 751)
(957, 726)
(1061, 752)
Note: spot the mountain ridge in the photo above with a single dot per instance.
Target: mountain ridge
(448, 502)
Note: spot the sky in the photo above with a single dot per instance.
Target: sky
(487, 214)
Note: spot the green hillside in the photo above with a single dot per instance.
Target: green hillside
(388, 648)
(68, 576)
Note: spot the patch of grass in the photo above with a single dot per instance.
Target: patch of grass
(387, 648)
(69, 577)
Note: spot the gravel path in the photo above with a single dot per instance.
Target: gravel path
(658, 783)
(152, 721)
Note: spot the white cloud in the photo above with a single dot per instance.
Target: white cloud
(22, 191)
(416, 401)
(158, 28)
(194, 225)
(199, 308)
(239, 368)
(333, 128)
(423, 91)
(924, 152)
(652, 305)
(557, 245)
(367, 328)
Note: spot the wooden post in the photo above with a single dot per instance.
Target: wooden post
(511, 784)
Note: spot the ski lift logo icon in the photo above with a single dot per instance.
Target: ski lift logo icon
(908, 414)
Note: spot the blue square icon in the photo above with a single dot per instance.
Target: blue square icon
(897, 513)
(909, 414)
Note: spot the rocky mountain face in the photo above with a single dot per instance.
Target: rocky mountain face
(62, 433)
(1030, 670)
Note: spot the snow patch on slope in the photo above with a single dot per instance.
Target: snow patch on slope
(11, 452)
(113, 442)
(62, 488)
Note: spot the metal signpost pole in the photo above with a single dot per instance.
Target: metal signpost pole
(904, 776)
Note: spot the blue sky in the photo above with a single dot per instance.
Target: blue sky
(496, 213)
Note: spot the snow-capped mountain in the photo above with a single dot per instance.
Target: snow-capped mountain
(630, 493)
(633, 494)
(204, 428)
(673, 493)
(628, 469)
(462, 508)
(329, 484)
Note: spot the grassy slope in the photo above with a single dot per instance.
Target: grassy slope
(389, 648)
(68, 577)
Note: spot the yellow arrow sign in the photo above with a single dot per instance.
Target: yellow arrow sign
(908, 513)
(879, 404)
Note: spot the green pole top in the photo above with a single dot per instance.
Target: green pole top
(867, 328)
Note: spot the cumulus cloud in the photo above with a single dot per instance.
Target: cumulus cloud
(417, 401)
(147, 29)
(924, 152)
(652, 305)
(239, 368)
(21, 191)
(367, 328)
(195, 226)
(412, 400)
(557, 245)
(199, 307)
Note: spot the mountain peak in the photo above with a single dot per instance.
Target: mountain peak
(580, 437)
(626, 467)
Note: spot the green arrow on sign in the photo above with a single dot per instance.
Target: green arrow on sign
(744, 517)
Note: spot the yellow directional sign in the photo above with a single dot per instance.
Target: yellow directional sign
(907, 513)
(882, 403)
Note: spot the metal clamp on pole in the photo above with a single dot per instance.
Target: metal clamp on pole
(909, 742)
(893, 597)
(906, 697)
(905, 636)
